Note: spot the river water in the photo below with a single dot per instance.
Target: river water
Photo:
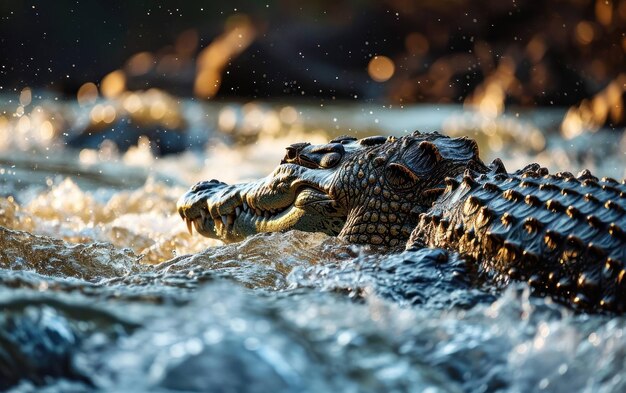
(102, 288)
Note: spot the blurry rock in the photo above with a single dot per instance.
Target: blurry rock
(125, 118)
(36, 345)
(125, 133)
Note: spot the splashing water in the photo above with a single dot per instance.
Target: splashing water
(102, 289)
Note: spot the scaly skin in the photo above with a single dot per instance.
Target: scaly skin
(566, 236)
(563, 235)
(366, 191)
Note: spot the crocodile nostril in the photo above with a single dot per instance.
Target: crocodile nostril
(292, 153)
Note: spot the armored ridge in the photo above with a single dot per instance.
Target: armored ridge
(564, 235)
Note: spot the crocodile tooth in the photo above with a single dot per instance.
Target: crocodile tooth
(213, 212)
(189, 226)
(203, 214)
(223, 219)
(245, 206)
(237, 211)
(195, 224)
(218, 226)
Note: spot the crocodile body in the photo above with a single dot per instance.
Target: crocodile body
(564, 235)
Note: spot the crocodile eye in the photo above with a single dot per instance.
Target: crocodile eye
(326, 156)
(400, 177)
(330, 160)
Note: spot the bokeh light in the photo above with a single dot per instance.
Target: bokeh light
(87, 94)
(140, 63)
(381, 68)
(113, 84)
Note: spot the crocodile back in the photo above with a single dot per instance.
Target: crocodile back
(565, 235)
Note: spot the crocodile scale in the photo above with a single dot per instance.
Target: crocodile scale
(563, 234)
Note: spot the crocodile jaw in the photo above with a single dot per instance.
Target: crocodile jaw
(281, 201)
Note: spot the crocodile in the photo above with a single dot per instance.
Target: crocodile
(563, 234)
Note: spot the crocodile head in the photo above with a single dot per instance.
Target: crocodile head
(370, 190)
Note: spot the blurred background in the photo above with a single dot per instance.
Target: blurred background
(486, 53)
(108, 76)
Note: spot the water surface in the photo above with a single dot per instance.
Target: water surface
(102, 288)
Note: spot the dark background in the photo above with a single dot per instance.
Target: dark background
(555, 52)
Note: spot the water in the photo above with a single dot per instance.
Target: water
(102, 288)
